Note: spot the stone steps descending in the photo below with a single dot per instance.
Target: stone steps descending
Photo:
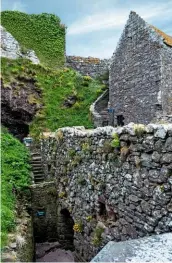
(37, 170)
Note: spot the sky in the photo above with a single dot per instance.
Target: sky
(94, 26)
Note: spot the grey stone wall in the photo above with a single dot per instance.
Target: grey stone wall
(166, 89)
(44, 199)
(88, 66)
(114, 191)
(138, 75)
(10, 48)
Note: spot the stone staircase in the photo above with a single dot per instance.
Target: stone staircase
(36, 163)
(99, 110)
(105, 117)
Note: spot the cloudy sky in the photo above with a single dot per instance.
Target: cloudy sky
(94, 26)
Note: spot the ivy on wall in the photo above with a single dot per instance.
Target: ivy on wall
(42, 33)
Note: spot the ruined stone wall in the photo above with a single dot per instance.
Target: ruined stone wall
(136, 73)
(113, 191)
(88, 66)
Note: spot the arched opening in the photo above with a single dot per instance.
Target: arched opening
(65, 229)
(102, 211)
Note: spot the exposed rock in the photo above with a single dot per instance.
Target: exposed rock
(43, 248)
(10, 48)
(70, 101)
(17, 111)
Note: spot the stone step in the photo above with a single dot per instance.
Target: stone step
(38, 182)
(36, 162)
(35, 172)
(36, 158)
(37, 165)
(38, 175)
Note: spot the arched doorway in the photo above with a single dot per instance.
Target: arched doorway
(65, 229)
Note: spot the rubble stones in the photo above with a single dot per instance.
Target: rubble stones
(131, 198)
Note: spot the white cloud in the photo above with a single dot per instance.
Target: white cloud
(116, 18)
(19, 6)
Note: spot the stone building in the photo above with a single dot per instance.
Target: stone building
(140, 80)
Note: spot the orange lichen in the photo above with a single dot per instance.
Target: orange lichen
(90, 60)
(167, 39)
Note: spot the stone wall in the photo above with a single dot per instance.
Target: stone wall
(88, 65)
(115, 182)
(44, 211)
(138, 73)
(10, 48)
(166, 91)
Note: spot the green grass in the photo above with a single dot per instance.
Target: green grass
(42, 33)
(56, 86)
(15, 173)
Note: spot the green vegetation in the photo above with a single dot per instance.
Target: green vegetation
(78, 227)
(115, 142)
(97, 238)
(42, 33)
(139, 129)
(15, 175)
(56, 87)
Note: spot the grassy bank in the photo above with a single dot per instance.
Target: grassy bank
(57, 86)
(42, 33)
(14, 177)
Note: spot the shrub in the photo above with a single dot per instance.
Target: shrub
(115, 143)
(87, 78)
(97, 238)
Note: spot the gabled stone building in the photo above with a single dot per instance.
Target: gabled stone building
(140, 84)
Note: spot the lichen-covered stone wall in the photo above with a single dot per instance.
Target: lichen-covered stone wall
(115, 182)
(88, 66)
(140, 73)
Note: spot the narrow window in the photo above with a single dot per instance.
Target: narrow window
(120, 120)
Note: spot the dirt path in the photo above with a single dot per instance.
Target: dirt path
(51, 252)
(58, 255)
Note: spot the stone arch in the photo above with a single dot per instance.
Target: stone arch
(65, 228)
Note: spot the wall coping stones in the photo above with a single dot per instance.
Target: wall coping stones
(159, 130)
(156, 248)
